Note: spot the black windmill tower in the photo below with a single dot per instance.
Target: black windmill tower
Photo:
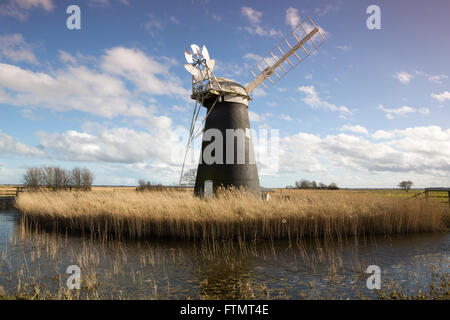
(226, 103)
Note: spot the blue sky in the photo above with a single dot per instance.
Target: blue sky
(370, 109)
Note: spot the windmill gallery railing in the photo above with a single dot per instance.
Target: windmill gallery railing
(443, 194)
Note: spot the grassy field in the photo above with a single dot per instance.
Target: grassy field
(277, 192)
(236, 215)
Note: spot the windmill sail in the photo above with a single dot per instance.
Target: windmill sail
(304, 40)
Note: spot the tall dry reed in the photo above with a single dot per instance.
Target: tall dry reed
(232, 215)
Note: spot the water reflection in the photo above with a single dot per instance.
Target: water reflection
(225, 270)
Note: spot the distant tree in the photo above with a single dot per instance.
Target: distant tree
(406, 185)
(142, 183)
(76, 177)
(32, 177)
(87, 178)
(322, 185)
(47, 177)
(58, 178)
(149, 186)
(189, 177)
(67, 178)
(303, 184)
(333, 186)
(306, 184)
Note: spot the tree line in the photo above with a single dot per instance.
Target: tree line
(149, 186)
(57, 178)
(306, 184)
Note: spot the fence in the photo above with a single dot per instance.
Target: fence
(8, 196)
(437, 193)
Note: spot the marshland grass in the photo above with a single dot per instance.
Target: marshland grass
(232, 215)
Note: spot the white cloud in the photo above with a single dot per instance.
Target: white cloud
(403, 77)
(327, 9)
(344, 47)
(258, 117)
(105, 92)
(313, 100)
(148, 74)
(252, 56)
(174, 20)
(286, 117)
(253, 116)
(419, 150)
(180, 108)
(66, 57)
(259, 92)
(28, 4)
(293, 20)
(76, 88)
(396, 113)
(254, 18)
(382, 134)
(253, 15)
(355, 129)
(8, 145)
(292, 17)
(122, 145)
(424, 111)
(438, 79)
(14, 48)
(257, 59)
(441, 97)
(227, 69)
(153, 26)
(299, 152)
(217, 18)
(106, 3)
(19, 8)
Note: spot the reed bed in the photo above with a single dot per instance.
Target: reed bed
(33, 266)
(232, 215)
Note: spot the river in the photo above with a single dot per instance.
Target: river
(306, 269)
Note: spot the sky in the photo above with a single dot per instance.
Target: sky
(369, 109)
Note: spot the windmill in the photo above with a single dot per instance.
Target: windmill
(226, 103)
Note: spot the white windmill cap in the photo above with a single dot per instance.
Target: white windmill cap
(231, 90)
